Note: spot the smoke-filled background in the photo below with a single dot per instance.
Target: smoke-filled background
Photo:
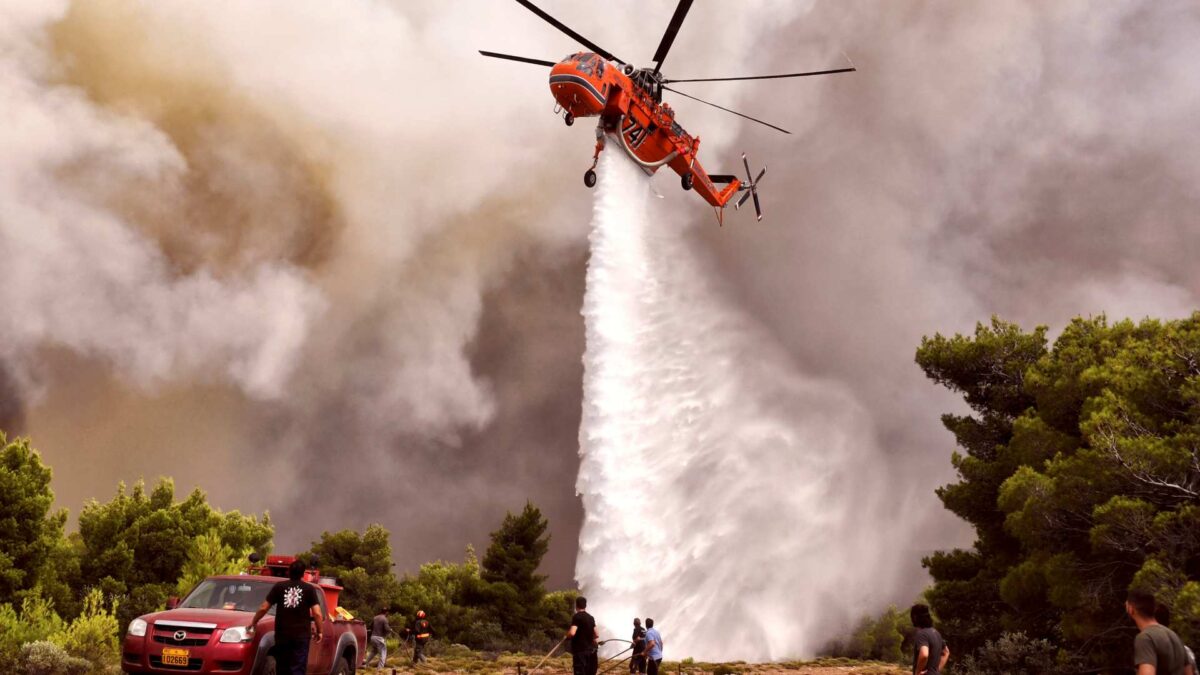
(323, 259)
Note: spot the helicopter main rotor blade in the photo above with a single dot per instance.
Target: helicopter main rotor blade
(522, 59)
(766, 77)
(565, 29)
(728, 110)
(668, 37)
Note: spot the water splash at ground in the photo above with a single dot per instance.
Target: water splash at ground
(727, 496)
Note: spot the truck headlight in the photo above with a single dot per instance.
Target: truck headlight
(137, 628)
(236, 634)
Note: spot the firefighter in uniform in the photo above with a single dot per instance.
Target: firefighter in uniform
(421, 633)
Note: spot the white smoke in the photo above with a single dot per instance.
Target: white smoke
(726, 495)
(76, 276)
(279, 204)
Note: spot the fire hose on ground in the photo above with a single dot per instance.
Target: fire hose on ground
(602, 642)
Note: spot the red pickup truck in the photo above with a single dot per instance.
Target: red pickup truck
(207, 631)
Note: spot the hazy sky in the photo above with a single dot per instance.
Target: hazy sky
(322, 259)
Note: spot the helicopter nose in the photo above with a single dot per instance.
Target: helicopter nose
(577, 90)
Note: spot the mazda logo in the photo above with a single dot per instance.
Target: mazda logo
(180, 635)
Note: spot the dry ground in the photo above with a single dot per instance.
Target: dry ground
(520, 664)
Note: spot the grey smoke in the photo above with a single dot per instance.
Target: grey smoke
(320, 258)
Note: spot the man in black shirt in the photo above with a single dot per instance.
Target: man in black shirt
(584, 639)
(295, 604)
(930, 652)
(637, 663)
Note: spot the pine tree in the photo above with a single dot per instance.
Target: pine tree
(30, 533)
(509, 568)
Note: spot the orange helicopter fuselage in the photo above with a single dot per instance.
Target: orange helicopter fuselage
(587, 85)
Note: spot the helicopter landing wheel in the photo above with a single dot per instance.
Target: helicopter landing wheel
(686, 181)
(589, 178)
(569, 119)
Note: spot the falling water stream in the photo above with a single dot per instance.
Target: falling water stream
(726, 495)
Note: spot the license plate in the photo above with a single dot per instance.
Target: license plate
(174, 656)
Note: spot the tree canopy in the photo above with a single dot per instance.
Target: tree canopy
(1081, 476)
(363, 566)
(514, 587)
(136, 545)
(30, 532)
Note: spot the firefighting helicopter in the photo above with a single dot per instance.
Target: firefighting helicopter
(628, 101)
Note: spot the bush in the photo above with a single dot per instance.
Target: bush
(93, 634)
(46, 658)
(1011, 654)
(36, 621)
(488, 636)
(878, 639)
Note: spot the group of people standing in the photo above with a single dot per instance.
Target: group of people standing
(647, 644)
(1157, 649)
(419, 632)
(647, 648)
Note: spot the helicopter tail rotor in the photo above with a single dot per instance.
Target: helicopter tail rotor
(751, 187)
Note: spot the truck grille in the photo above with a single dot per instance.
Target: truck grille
(182, 635)
(186, 642)
(193, 664)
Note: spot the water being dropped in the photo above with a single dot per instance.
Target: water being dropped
(734, 500)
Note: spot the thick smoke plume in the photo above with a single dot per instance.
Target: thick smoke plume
(322, 258)
(307, 256)
(250, 246)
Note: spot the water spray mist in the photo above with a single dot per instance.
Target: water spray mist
(724, 493)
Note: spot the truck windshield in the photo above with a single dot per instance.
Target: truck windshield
(235, 594)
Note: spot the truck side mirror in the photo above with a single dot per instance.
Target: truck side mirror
(172, 602)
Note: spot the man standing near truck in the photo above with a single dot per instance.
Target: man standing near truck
(297, 616)
(380, 630)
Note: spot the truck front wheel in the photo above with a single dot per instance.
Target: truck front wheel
(342, 667)
(267, 667)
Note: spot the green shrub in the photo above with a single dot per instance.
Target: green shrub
(46, 658)
(36, 621)
(877, 639)
(93, 634)
(1011, 654)
(725, 670)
